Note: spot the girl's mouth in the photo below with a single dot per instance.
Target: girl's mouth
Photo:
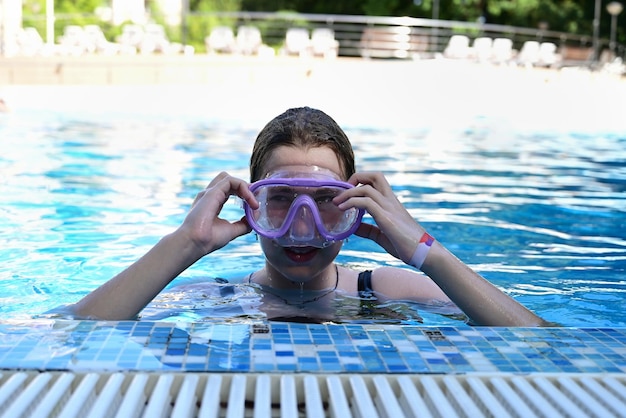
(301, 254)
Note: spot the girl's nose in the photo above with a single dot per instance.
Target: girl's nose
(303, 225)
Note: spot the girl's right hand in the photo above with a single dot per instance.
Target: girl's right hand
(395, 230)
(204, 227)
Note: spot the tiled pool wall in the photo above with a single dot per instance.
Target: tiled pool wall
(307, 348)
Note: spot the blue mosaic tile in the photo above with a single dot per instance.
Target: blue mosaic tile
(295, 347)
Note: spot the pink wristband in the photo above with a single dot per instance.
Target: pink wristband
(419, 256)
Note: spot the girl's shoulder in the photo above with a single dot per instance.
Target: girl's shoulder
(396, 273)
(376, 279)
(405, 283)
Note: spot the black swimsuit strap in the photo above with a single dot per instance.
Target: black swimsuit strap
(364, 283)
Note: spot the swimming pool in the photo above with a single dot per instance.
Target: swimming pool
(93, 177)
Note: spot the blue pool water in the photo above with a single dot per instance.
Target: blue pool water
(538, 208)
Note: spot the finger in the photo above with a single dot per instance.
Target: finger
(368, 231)
(233, 186)
(216, 194)
(228, 232)
(242, 190)
(217, 179)
(369, 200)
(240, 227)
(376, 179)
(375, 234)
(198, 197)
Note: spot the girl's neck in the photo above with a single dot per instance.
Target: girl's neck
(325, 279)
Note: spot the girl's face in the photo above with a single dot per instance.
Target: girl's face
(300, 264)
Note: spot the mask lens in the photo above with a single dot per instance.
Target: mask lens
(335, 220)
(282, 203)
(274, 204)
(276, 201)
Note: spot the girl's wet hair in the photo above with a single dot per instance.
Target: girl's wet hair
(302, 127)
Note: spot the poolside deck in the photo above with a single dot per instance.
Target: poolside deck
(252, 70)
(267, 369)
(388, 92)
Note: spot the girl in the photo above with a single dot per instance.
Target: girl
(304, 200)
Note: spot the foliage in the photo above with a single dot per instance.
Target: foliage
(574, 16)
(68, 12)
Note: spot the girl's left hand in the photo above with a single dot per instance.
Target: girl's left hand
(395, 230)
(203, 225)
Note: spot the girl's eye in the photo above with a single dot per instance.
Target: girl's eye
(324, 199)
(282, 197)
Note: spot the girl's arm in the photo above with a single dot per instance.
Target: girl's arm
(399, 234)
(126, 294)
(483, 302)
(202, 232)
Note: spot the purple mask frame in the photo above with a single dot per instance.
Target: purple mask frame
(302, 200)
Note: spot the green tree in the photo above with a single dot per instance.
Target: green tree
(67, 12)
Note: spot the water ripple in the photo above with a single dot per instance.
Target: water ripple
(541, 214)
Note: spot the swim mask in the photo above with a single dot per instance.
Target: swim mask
(297, 209)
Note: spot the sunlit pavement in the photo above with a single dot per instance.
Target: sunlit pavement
(384, 92)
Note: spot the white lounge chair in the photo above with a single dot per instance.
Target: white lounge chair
(28, 42)
(502, 50)
(529, 54)
(615, 67)
(458, 47)
(131, 37)
(548, 55)
(323, 43)
(98, 42)
(248, 40)
(74, 41)
(221, 39)
(155, 40)
(482, 49)
(297, 42)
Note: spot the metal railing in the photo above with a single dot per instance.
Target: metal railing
(428, 37)
(377, 36)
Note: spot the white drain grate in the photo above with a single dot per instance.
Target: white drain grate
(126, 395)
